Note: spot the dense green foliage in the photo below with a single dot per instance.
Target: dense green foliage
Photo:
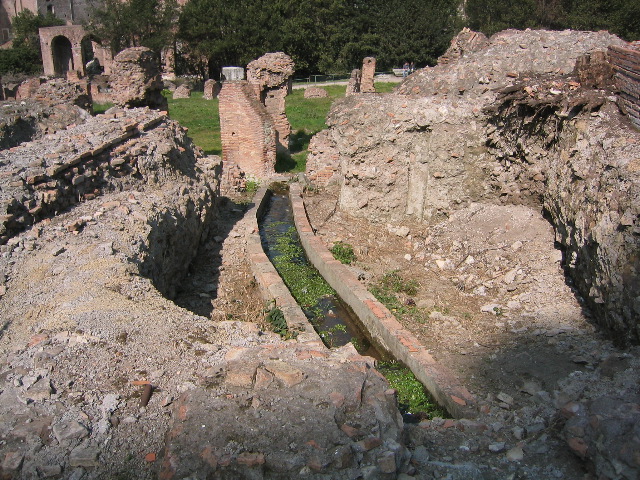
(621, 17)
(135, 23)
(330, 36)
(303, 280)
(24, 56)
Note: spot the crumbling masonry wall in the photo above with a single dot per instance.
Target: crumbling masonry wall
(626, 62)
(270, 76)
(503, 124)
(247, 131)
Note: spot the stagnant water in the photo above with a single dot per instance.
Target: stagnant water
(333, 320)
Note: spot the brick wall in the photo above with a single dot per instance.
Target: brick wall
(626, 62)
(248, 134)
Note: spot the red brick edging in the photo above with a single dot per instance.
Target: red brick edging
(439, 380)
(270, 283)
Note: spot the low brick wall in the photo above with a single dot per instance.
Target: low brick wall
(439, 381)
(269, 281)
(626, 62)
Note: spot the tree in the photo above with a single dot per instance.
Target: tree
(135, 23)
(25, 56)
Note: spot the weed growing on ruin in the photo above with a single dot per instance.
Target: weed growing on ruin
(343, 252)
(278, 323)
(393, 281)
(412, 397)
(327, 335)
(387, 289)
(251, 186)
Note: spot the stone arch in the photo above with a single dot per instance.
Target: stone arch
(62, 55)
(56, 58)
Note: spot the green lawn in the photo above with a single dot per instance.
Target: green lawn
(306, 115)
(200, 116)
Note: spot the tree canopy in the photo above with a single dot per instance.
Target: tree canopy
(134, 23)
(326, 36)
(621, 17)
(333, 36)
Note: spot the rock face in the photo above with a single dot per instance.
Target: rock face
(334, 419)
(504, 123)
(136, 79)
(59, 91)
(270, 76)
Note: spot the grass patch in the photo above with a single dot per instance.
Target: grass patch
(387, 289)
(412, 397)
(99, 108)
(201, 117)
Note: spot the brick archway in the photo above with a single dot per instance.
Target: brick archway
(62, 56)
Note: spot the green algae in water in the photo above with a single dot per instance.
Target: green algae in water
(412, 396)
(305, 283)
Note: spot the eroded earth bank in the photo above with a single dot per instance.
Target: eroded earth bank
(505, 185)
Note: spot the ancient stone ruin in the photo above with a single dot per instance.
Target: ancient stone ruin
(247, 130)
(211, 89)
(67, 49)
(271, 76)
(353, 87)
(626, 62)
(136, 79)
(368, 74)
(253, 122)
(183, 91)
(315, 92)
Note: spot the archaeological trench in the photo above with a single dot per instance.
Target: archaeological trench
(133, 281)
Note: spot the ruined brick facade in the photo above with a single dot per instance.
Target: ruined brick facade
(368, 74)
(68, 48)
(626, 62)
(270, 76)
(247, 131)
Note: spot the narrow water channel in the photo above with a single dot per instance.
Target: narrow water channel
(333, 320)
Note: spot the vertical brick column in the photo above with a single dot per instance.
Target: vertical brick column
(368, 72)
(246, 129)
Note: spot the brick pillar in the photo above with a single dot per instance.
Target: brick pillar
(368, 72)
(248, 134)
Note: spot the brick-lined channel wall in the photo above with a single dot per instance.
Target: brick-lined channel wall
(270, 283)
(381, 324)
(626, 62)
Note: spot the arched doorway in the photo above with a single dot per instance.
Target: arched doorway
(62, 54)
